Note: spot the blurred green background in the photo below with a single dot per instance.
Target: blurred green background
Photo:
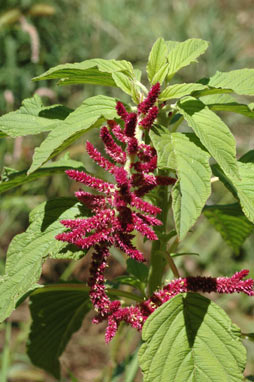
(36, 35)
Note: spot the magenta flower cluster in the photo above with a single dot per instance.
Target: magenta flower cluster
(119, 208)
(137, 315)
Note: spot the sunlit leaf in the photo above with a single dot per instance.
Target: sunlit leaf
(92, 113)
(190, 338)
(179, 90)
(96, 71)
(185, 53)
(191, 164)
(157, 59)
(12, 179)
(28, 250)
(212, 132)
(241, 81)
(32, 118)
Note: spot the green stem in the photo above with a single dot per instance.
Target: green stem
(6, 352)
(175, 126)
(173, 266)
(171, 262)
(67, 286)
(158, 261)
(157, 266)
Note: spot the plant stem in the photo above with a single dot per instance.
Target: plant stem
(158, 261)
(173, 266)
(73, 286)
(157, 266)
(6, 352)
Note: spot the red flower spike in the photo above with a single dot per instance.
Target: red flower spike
(132, 147)
(115, 215)
(96, 281)
(121, 111)
(149, 101)
(144, 206)
(98, 158)
(144, 190)
(90, 181)
(149, 166)
(150, 118)
(143, 228)
(94, 202)
(123, 241)
(165, 180)
(130, 125)
(118, 133)
(112, 149)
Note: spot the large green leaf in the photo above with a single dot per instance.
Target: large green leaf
(13, 178)
(157, 58)
(191, 339)
(28, 250)
(232, 107)
(180, 90)
(96, 71)
(230, 221)
(91, 113)
(191, 164)
(212, 132)
(217, 171)
(245, 188)
(241, 81)
(32, 118)
(214, 98)
(185, 53)
(127, 85)
(242, 188)
(56, 315)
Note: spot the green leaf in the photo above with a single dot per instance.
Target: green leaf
(214, 98)
(184, 54)
(212, 132)
(242, 188)
(127, 85)
(126, 280)
(28, 250)
(32, 118)
(232, 107)
(230, 222)
(191, 164)
(160, 75)
(180, 90)
(16, 178)
(217, 171)
(56, 316)
(91, 113)
(245, 188)
(95, 71)
(139, 270)
(190, 338)
(247, 157)
(157, 59)
(241, 81)
(184, 254)
(127, 369)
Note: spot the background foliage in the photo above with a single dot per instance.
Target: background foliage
(121, 29)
